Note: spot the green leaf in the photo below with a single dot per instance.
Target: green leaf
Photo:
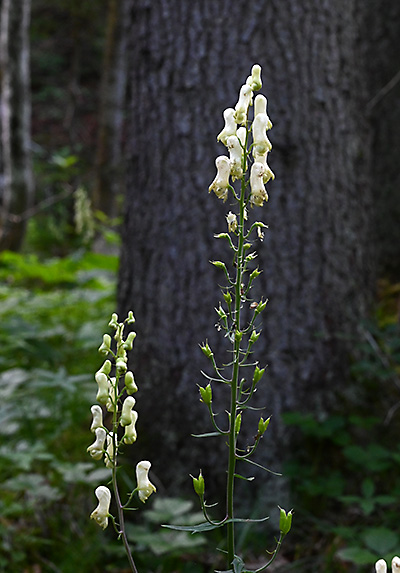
(208, 435)
(206, 526)
(357, 555)
(381, 540)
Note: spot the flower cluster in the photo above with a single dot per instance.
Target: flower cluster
(116, 384)
(235, 136)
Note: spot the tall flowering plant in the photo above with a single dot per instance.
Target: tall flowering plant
(248, 146)
(116, 384)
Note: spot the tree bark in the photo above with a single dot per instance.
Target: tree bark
(17, 185)
(187, 61)
(109, 175)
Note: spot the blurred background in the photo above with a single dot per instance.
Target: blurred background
(109, 115)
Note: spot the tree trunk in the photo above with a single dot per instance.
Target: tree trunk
(17, 185)
(109, 161)
(187, 62)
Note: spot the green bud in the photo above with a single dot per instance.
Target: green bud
(128, 344)
(238, 423)
(131, 319)
(254, 336)
(114, 321)
(105, 346)
(260, 307)
(207, 350)
(247, 246)
(258, 374)
(228, 298)
(238, 335)
(221, 236)
(206, 394)
(106, 368)
(256, 273)
(285, 521)
(130, 383)
(199, 485)
(263, 425)
(218, 264)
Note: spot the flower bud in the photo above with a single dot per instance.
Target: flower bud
(128, 344)
(261, 307)
(258, 374)
(199, 485)
(238, 423)
(114, 321)
(256, 273)
(105, 346)
(101, 513)
(130, 383)
(206, 394)
(144, 486)
(130, 430)
(238, 335)
(221, 181)
(106, 368)
(230, 126)
(120, 365)
(254, 336)
(263, 425)
(131, 319)
(126, 413)
(207, 350)
(97, 414)
(102, 393)
(285, 521)
(97, 448)
(228, 298)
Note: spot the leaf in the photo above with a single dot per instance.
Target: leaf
(380, 540)
(208, 435)
(245, 478)
(206, 526)
(357, 555)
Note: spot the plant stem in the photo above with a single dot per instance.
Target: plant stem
(234, 385)
(122, 521)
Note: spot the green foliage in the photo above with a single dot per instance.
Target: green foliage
(50, 316)
(344, 476)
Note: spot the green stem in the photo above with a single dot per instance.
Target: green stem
(234, 384)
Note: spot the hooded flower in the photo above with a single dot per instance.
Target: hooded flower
(96, 450)
(101, 513)
(126, 414)
(261, 143)
(268, 173)
(235, 156)
(396, 565)
(130, 435)
(97, 414)
(243, 103)
(230, 125)
(102, 393)
(258, 193)
(254, 81)
(144, 486)
(380, 566)
(221, 181)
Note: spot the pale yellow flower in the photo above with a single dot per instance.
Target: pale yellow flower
(126, 413)
(235, 156)
(144, 485)
(130, 435)
(230, 125)
(254, 81)
(97, 414)
(101, 513)
(96, 450)
(258, 192)
(221, 181)
(243, 103)
(261, 143)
